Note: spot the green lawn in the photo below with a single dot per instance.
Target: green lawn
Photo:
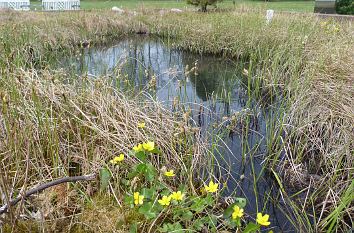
(300, 6)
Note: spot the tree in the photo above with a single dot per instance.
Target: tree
(345, 7)
(202, 3)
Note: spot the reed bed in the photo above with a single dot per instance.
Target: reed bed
(51, 129)
(302, 63)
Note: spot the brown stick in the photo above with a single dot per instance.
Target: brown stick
(41, 187)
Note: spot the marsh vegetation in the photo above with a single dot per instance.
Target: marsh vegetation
(292, 128)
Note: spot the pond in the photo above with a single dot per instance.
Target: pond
(213, 88)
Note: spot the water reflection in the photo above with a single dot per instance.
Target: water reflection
(211, 88)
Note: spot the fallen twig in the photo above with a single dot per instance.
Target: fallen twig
(41, 187)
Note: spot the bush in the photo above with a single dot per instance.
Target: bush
(202, 3)
(345, 7)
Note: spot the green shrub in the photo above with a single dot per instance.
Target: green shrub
(345, 7)
(202, 3)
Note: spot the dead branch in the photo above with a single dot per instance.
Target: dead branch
(42, 187)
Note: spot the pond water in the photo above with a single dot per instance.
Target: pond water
(213, 89)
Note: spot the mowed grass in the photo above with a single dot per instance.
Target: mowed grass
(295, 6)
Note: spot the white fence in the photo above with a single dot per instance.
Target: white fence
(60, 5)
(15, 4)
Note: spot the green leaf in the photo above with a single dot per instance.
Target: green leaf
(212, 221)
(209, 200)
(237, 221)
(251, 227)
(141, 155)
(241, 202)
(133, 228)
(182, 188)
(165, 227)
(140, 168)
(125, 182)
(105, 176)
(185, 215)
(148, 193)
(229, 210)
(156, 151)
(230, 223)
(199, 205)
(169, 227)
(147, 210)
(134, 172)
(150, 172)
(159, 186)
(198, 224)
(129, 200)
(158, 208)
(165, 192)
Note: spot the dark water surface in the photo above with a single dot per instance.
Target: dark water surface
(215, 93)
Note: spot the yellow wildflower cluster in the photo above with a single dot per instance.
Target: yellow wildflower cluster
(263, 219)
(177, 196)
(116, 160)
(166, 200)
(330, 27)
(170, 173)
(146, 146)
(237, 213)
(138, 148)
(141, 125)
(138, 199)
(212, 187)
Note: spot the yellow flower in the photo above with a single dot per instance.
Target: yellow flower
(170, 173)
(212, 187)
(336, 28)
(141, 125)
(138, 199)
(263, 220)
(203, 191)
(323, 24)
(117, 159)
(165, 200)
(238, 212)
(138, 148)
(149, 146)
(178, 196)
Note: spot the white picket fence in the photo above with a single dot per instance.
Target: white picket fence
(60, 5)
(23, 5)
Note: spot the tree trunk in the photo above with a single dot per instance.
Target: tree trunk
(204, 7)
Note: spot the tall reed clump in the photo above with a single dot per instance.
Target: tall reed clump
(322, 121)
(37, 39)
(50, 129)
